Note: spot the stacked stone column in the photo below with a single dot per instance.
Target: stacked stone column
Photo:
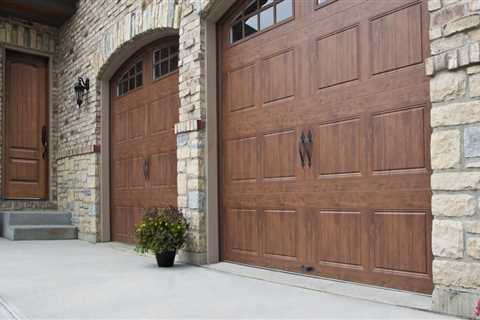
(455, 153)
(191, 130)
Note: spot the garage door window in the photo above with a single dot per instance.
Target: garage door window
(259, 15)
(131, 79)
(165, 61)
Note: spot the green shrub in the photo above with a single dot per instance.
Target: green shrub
(161, 230)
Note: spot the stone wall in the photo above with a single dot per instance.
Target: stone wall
(97, 32)
(36, 38)
(190, 130)
(455, 153)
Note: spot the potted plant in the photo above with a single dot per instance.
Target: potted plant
(162, 232)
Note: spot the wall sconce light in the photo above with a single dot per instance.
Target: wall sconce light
(80, 89)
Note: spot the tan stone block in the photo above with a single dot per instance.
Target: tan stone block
(434, 5)
(447, 86)
(473, 69)
(453, 205)
(444, 44)
(455, 114)
(447, 239)
(472, 226)
(474, 85)
(455, 181)
(473, 247)
(461, 24)
(182, 184)
(445, 149)
(456, 273)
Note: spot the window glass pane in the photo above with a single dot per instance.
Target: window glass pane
(131, 72)
(266, 18)
(123, 87)
(284, 10)
(139, 80)
(138, 67)
(251, 7)
(173, 63)
(264, 3)
(237, 33)
(251, 25)
(131, 84)
(173, 49)
(156, 56)
(156, 71)
(164, 68)
(164, 53)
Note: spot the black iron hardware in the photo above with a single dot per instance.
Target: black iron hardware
(306, 269)
(45, 142)
(301, 149)
(309, 147)
(146, 168)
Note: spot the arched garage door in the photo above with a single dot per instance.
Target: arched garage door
(324, 116)
(144, 109)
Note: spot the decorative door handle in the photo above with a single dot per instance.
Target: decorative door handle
(146, 168)
(309, 147)
(45, 142)
(301, 149)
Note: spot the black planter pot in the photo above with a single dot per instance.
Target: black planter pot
(165, 259)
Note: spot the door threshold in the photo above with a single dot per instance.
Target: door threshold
(394, 297)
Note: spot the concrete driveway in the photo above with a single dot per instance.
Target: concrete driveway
(75, 279)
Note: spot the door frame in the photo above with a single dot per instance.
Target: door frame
(50, 57)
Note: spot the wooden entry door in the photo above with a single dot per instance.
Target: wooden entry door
(26, 121)
(324, 118)
(144, 110)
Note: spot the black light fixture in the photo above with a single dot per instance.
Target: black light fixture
(80, 88)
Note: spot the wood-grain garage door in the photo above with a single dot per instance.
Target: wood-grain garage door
(324, 110)
(144, 109)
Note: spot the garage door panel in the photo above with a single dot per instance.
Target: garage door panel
(337, 148)
(243, 155)
(120, 179)
(337, 57)
(337, 237)
(162, 115)
(280, 234)
(399, 140)
(396, 39)
(400, 239)
(137, 124)
(136, 176)
(278, 76)
(163, 169)
(242, 227)
(241, 88)
(279, 155)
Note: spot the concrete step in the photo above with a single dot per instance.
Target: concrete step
(39, 232)
(46, 217)
(37, 225)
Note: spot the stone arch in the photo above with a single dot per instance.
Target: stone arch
(105, 72)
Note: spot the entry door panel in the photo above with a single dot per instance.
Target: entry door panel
(26, 119)
(325, 144)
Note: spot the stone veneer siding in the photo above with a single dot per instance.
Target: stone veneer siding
(454, 67)
(40, 39)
